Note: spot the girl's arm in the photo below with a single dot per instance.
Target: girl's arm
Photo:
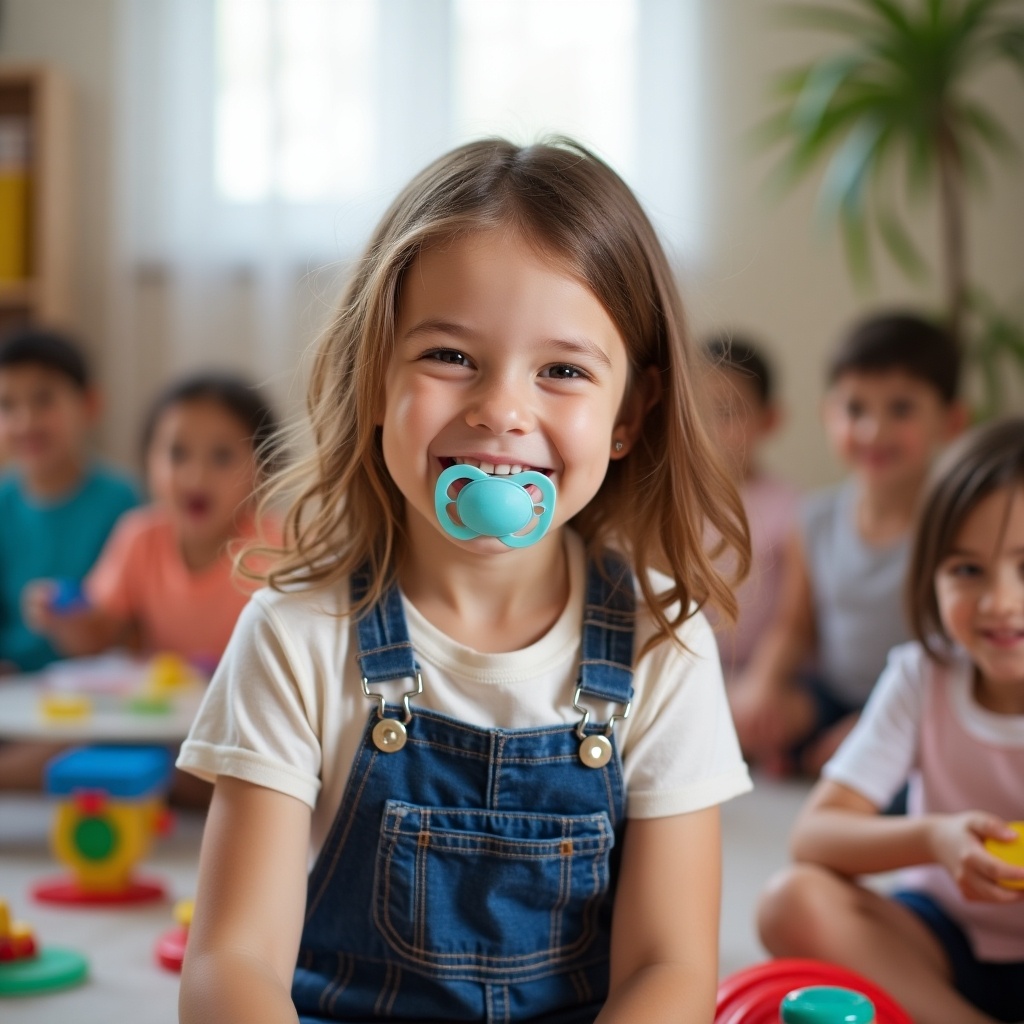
(783, 647)
(664, 955)
(244, 938)
(842, 830)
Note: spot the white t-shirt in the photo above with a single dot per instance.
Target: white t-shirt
(286, 710)
(923, 723)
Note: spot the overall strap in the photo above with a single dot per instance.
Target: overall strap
(606, 669)
(385, 651)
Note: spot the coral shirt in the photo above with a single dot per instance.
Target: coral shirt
(141, 577)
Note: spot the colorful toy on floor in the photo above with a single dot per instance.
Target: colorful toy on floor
(65, 707)
(755, 995)
(826, 1004)
(1012, 852)
(170, 948)
(112, 808)
(28, 969)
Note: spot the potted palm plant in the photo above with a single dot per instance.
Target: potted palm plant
(892, 103)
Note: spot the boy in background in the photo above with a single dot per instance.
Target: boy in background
(890, 405)
(57, 505)
(743, 414)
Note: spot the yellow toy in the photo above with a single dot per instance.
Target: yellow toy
(1012, 852)
(112, 808)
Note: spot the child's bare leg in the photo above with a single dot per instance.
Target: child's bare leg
(22, 764)
(808, 911)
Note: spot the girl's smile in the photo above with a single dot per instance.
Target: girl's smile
(506, 362)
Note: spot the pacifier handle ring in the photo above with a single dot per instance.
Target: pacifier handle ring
(546, 504)
(442, 501)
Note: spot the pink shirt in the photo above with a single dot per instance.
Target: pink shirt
(771, 506)
(140, 576)
(923, 723)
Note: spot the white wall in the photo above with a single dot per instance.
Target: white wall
(764, 268)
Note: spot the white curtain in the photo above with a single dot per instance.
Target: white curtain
(259, 140)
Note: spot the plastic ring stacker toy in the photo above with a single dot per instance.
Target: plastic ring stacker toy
(494, 506)
(754, 994)
(51, 970)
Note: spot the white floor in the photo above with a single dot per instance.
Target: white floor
(127, 985)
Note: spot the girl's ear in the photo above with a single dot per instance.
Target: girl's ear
(640, 399)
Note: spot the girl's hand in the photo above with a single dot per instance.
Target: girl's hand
(75, 629)
(37, 605)
(957, 842)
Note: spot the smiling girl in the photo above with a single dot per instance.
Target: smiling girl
(468, 698)
(947, 714)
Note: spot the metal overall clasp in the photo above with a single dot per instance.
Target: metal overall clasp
(596, 748)
(389, 734)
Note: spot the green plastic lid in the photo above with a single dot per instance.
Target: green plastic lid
(51, 970)
(826, 1004)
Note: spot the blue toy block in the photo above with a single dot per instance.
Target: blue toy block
(126, 772)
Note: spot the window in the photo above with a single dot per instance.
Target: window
(308, 115)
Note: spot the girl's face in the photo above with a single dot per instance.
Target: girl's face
(979, 586)
(202, 468)
(504, 361)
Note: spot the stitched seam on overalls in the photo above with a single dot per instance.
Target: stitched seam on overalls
(339, 848)
(421, 882)
(564, 887)
(334, 988)
(433, 744)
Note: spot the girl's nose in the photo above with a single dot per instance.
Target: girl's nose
(1005, 594)
(867, 428)
(500, 407)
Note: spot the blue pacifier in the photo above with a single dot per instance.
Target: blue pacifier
(494, 506)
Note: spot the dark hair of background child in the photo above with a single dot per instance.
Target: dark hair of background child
(900, 341)
(987, 459)
(236, 396)
(738, 354)
(52, 350)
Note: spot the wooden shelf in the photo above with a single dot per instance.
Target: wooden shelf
(39, 95)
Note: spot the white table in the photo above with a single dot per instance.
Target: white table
(108, 683)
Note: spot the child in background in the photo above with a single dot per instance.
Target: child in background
(891, 404)
(739, 387)
(947, 715)
(165, 580)
(513, 324)
(57, 504)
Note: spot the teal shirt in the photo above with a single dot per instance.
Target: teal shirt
(53, 540)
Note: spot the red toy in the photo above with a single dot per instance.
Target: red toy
(753, 995)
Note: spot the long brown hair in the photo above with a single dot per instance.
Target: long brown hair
(654, 503)
(987, 459)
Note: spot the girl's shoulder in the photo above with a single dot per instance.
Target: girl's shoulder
(303, 607)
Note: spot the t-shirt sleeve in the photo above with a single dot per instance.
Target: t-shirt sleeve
(682, 754)
(256, 719)
(877, 757)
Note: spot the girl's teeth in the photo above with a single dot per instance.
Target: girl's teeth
(491, 468)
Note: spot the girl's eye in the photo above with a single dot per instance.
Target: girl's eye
(222, 456)
(178, 453)
(448, 355)
(564, 371)
(965, 570)
(854, 409)
(901, 409)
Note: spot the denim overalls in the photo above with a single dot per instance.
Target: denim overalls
(469, 875)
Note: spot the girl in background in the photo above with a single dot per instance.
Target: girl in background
(164, 582)
(501, 734)
(947, 714)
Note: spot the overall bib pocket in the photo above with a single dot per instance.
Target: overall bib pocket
(490, 894)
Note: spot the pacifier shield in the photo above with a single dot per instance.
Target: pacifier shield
(494, 506)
